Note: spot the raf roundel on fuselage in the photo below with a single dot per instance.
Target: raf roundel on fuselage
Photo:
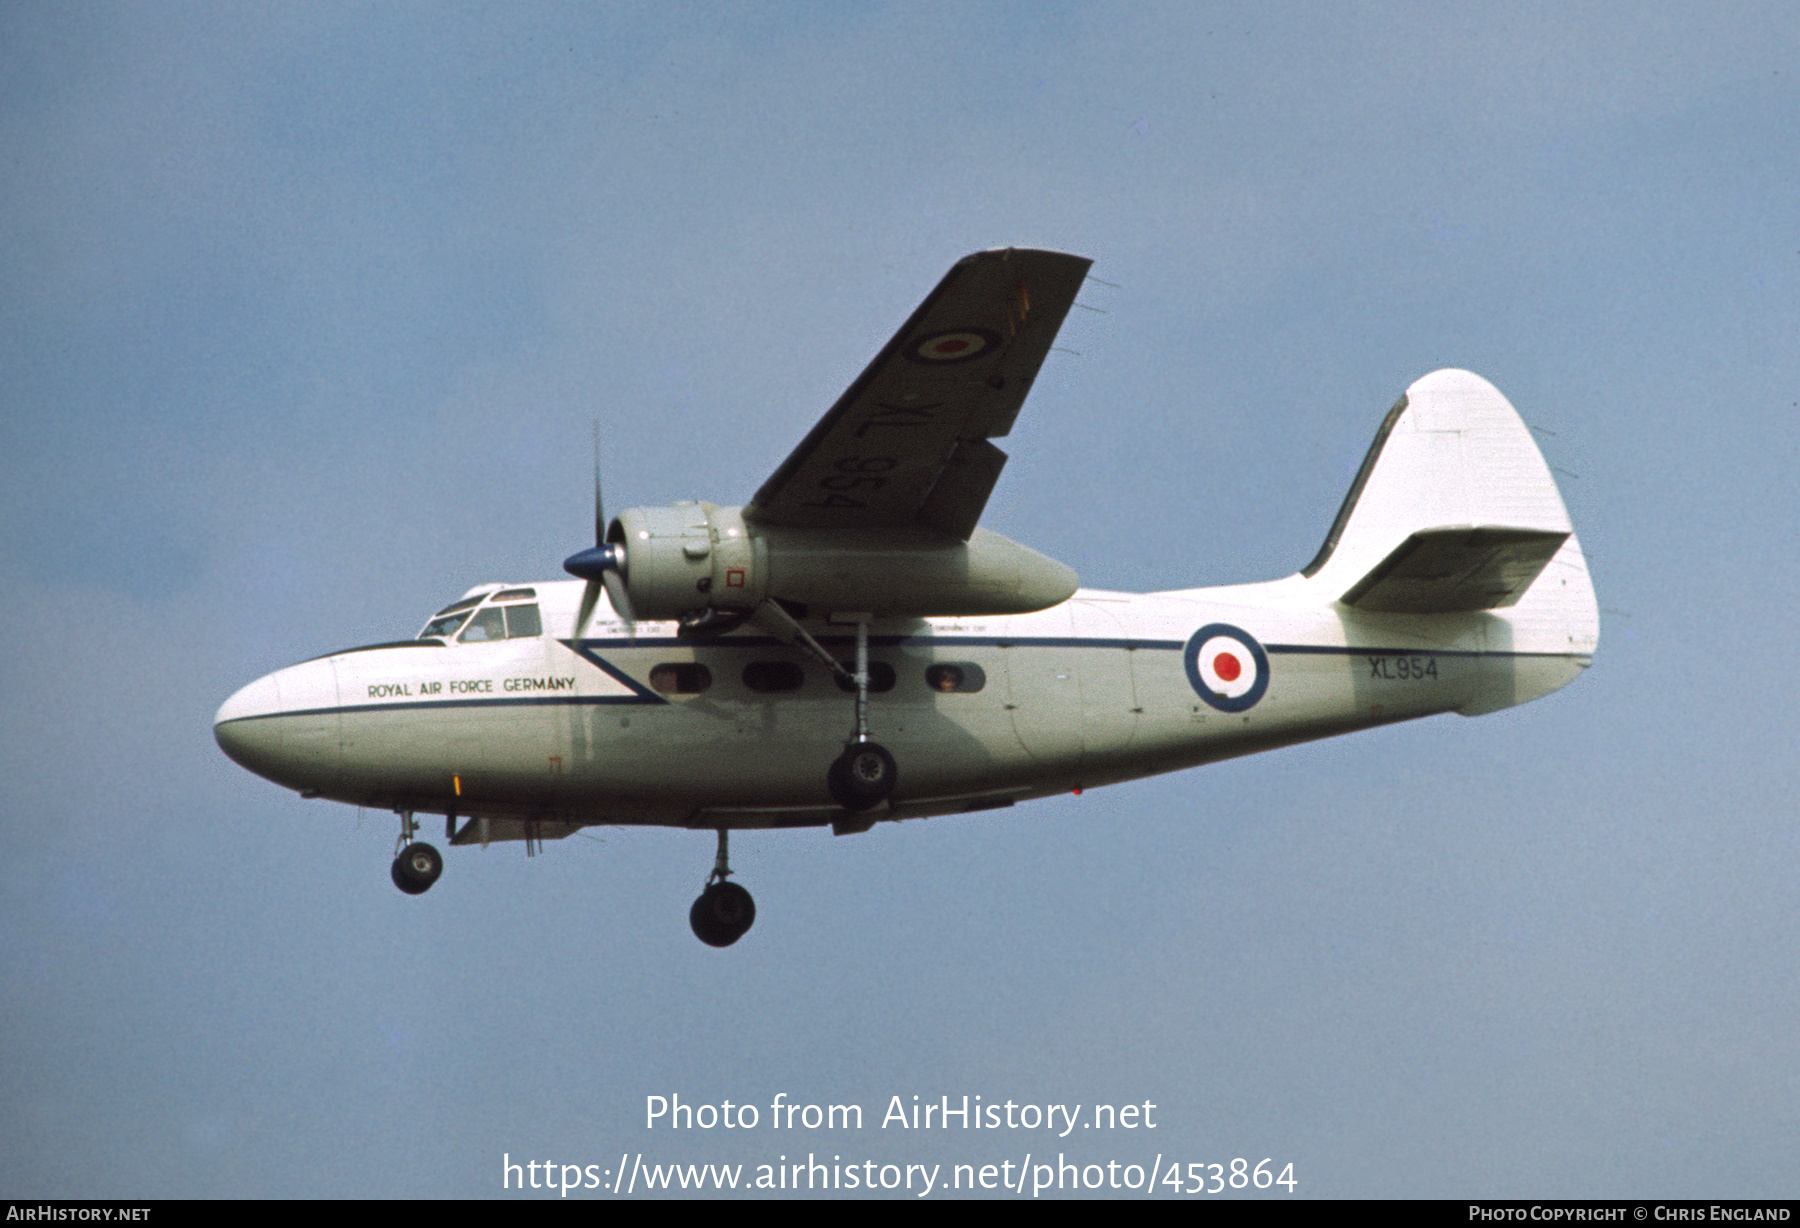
(1227, 667)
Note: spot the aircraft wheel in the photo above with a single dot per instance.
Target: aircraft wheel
(862, 776)
(722, 915)
(416, 868)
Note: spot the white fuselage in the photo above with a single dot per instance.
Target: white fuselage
(1103, 688)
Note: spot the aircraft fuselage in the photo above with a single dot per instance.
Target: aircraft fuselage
(735, 732)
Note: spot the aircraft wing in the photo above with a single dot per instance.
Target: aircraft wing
(908, 443)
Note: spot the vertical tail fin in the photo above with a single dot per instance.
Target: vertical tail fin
(1454, 511)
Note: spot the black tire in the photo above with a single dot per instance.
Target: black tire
(723, 914)
(862, 776)
(416, 868)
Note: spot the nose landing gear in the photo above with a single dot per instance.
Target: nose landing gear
(724, 912)
(722, 915)
(417, 865)
(416, 868)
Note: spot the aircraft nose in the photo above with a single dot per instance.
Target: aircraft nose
(245, 726)
(284, 727)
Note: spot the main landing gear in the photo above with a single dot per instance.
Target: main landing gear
(417, 865)
(724, 912)
(864, 775)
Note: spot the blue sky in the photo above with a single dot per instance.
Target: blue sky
(304, 313)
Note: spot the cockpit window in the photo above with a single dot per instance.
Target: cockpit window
(488, 624)
(467, 603)
(492, 622)
(523, 620)
(444, 625)
(515, 594)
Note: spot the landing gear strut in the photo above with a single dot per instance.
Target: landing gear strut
(724, 912)
(864, 774)
(416, 865)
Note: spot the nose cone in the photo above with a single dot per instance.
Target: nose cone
(260, 698)
(294, 743)
(248, 727)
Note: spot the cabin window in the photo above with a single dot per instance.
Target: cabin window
(950, 676)
(881, 677)
(685, 678)
(522, 621)
(773, 676)
(488, 624)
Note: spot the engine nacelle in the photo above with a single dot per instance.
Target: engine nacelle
(681, 559)
(689, 557)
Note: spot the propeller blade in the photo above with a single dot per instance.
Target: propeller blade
(601, 565)
(590, 597)
(621, 600)
(599, 504)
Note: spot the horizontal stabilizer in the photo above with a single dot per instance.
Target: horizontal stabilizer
(1456, 570)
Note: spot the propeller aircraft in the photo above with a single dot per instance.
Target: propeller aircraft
(850, 647)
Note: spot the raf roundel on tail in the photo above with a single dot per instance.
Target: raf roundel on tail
(850, 647)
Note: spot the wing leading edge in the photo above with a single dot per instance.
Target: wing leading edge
(908, 443)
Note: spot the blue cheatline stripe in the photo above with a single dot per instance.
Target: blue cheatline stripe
(1355, 651)
(1045, 641)
(878, 641)
(640, 694)
(533, 702)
